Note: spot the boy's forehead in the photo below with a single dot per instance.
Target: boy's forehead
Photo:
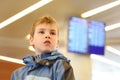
(47, 26)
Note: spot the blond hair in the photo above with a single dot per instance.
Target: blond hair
(41, 20)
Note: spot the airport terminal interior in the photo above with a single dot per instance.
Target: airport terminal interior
(89, 35)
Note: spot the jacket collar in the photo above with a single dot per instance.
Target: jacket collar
(43, 59)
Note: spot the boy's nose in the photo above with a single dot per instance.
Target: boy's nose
(47, 36)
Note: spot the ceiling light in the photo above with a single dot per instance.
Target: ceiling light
(104, 60)
(28, 37)
(111, 27)
(100, 9)
(24, 12)
(31, 48)
(11, 59)
(113, 50)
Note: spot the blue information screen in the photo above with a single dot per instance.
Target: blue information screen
(96, 37)
(86, 37)
(77, 38)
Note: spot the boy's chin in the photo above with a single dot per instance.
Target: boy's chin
(47, 51)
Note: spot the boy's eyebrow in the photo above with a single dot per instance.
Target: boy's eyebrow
(52, 30)
(41, 29)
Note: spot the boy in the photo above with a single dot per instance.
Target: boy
(47, 64)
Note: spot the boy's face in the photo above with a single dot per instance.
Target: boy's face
(45, 38)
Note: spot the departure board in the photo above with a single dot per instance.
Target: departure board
(77, 40)
(96, 37)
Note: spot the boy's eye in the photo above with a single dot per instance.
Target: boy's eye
(52, 33)
(42, 32)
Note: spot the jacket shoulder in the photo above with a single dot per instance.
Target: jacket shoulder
(18, 73)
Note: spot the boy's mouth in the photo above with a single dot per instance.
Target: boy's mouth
(47, 42)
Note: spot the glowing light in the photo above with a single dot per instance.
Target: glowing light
(113, 26)
(113, 50)
(24, 12)
(11, 59)
(100, 9)
(31, 48)
(27, 37)
(104, 60)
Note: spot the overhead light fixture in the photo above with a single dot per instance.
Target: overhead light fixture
(113, 26)
(113, 50)
(24, 12)
(104, 60)
(11, 59)
(31, 48)
(100, 9)
(28, 37)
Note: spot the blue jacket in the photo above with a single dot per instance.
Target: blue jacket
(47, 66)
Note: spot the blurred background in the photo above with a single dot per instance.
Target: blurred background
(17, 16)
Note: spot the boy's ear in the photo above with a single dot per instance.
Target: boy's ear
(31, 40)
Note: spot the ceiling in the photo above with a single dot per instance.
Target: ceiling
(12, 37)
